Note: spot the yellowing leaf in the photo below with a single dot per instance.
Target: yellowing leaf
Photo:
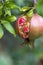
(25, 8)
(30, 13)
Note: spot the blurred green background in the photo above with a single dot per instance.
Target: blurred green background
(21, 55)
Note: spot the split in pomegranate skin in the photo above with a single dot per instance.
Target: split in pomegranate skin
(23, 26)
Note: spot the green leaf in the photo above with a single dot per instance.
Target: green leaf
(1, 5)
(6, 0)
(39, 7)
(11, 18)
(11, 5)
(1, 32)
(25, 8)
(0, 12)
(8, 27)
(7, 11)
(30, 13)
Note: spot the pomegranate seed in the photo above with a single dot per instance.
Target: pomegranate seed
(26, 29)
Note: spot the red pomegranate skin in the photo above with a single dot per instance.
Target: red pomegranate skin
(22, 26)
(36, 27)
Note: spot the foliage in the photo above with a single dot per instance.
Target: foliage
(6, 16)
(39, 7)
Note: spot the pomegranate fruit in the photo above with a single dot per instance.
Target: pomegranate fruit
(30, 28)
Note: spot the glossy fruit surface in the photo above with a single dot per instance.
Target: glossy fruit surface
(36, 26)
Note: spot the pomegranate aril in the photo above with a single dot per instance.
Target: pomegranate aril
(26, 29)
(21, 21)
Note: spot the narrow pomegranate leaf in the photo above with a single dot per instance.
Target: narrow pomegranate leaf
(25, 8)
(1, 5)
(11, 18)
(8, 27)
(11, 5)
(30, 13)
